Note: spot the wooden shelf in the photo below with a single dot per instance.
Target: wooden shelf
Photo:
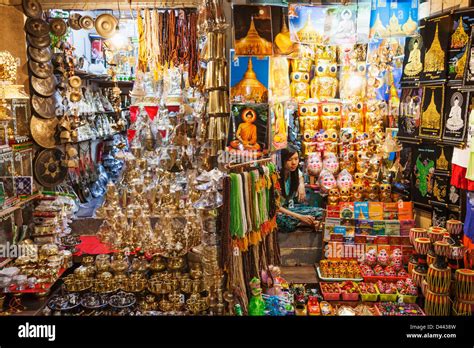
(17, 206)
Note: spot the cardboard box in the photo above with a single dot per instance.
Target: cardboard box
(329, 225)
(390, 211)
(405, 210)
(346, 210)
(364, 227)
(375, 210)
(337, 237)
(332, 211)
(392, 227)
(361, 210)
(378, 228)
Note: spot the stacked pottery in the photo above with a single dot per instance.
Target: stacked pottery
(464, 292)
(438, 277)
(456, 257)
(415, 233)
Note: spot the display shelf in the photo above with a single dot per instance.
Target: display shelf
(336, 279)
(18, 205)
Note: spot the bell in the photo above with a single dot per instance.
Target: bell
(210, 47)
(216, 75)
(218, 102)
(65, 136)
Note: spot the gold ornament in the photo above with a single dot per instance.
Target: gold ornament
(435, 56)
(431, 117)
(442, 163)
(459, 38)
(282, 40)
(253, 43)
(325, 83)
(7, 67)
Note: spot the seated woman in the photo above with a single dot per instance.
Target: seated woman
(291, 215)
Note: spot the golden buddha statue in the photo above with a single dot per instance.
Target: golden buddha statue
(431, 117)
(460, 65)
(459, 38)
(435, 56)
(325, 83)
(249, 88)
(253, 43)
(309, 33)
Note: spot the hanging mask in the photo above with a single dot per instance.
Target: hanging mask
(326, 180)
(344, 179)
(330, 162)
(314, 163)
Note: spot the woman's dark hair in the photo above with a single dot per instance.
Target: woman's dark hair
(285, 155)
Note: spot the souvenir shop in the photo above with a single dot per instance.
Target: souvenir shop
(261, 158)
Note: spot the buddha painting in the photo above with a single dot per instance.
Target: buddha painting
(431, 118)
(435, 56)
(414, 65)
(455, 120)
(245, 139)
(459, 38)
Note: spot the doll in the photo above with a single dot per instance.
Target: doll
(333, 197)
(385, 193)
(273, 280)
(246, 135)
(357, 192)
(314, 164)
(359, 178)
(256, 303)
(348, 162)
(382, 257)
(355, 116)
(320, 143)
(347, 136)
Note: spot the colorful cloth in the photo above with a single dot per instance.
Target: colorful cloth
(288, 224)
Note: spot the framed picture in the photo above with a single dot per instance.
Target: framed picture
(455, 115)
(410, 112)
(431, 121)
(413, 59)
(468, 80)
(393, 18)
(424, 159)
(461, 31)
(249, 79)
(252, 30)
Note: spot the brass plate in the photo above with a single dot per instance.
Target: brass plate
(75, 82)
(73, 21)
(44, 87)
(40, 55)
(58, 27)
(106, 25)
(32, 8)
(86, 22)
(48, 168)
(41, 70)
(38, 42)
(37, 27)
(43, 131)
(44, 107)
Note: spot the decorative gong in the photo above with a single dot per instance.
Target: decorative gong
(49, 169)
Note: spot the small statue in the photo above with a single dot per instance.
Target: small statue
(345, 195)
(333, 197)
(385, 193)
(357, 192)
(256, 304)
(373, 193)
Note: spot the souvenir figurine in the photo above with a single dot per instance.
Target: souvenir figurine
(348, 161)
(354, 81)
(347, 136)
(324, 84)
(371, 257)
(382, 257)
(333, 197)
(345, 194)
(256, 304)
(331, 115)
(373, 193)
(357, 192)
(309, 144)
(246, 134)
(354, 116)
(272, 279)
(299, 85)
(320, 143)
(300, 299)
(308, 116)
(330, 162)
(374, 115)
(385, 193)
(314, 163)
(359, 178)
(344, 179)
(331, 139)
